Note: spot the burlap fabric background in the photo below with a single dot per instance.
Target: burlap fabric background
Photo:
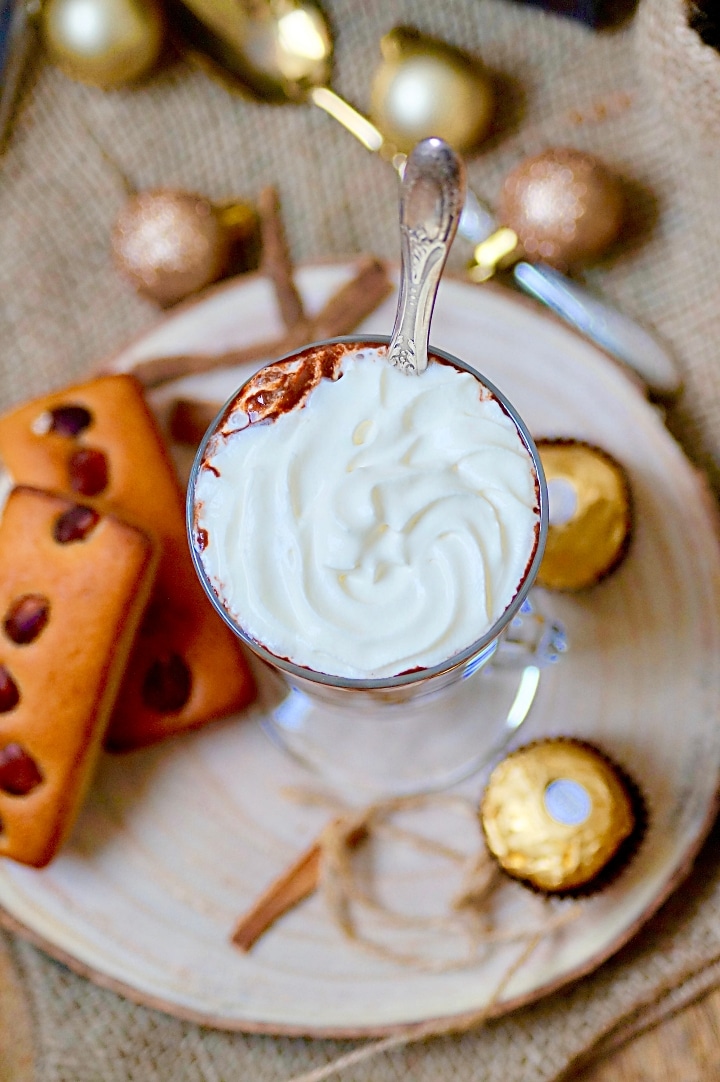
(62, 307)
(683, 76)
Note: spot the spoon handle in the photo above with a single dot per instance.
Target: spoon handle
(603, 324)
(432, 193)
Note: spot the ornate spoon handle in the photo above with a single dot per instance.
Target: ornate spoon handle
(432, 194)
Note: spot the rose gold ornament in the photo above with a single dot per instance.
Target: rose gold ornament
(170, 243)
(565, 206)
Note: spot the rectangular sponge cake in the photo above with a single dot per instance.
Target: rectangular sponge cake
(73, 590)
(99, 442)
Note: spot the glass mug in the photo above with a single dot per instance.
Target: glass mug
(423, 729)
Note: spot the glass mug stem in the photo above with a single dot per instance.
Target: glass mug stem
(531, 637)
(378, 549)
(433, 741)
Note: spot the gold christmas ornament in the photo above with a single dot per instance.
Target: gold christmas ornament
(104, 43)
(565, 206)
(170, 243)
(426, 87)
(590, 514)
(281, 51)
(276, 50)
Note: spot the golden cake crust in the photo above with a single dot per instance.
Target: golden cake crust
(66, 668)
(187, 667)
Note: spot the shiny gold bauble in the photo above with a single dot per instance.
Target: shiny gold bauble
(171, 243)
(565, 206)
(425, 87)
(275, 50)
(105, 43)
(590, 514)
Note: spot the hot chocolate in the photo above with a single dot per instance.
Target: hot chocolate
(360, 522)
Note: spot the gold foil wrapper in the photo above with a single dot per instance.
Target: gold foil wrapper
(588, 536)
(555, 813)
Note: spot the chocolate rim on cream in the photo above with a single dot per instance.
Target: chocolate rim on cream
(271, 413)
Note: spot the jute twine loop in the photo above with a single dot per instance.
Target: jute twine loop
(468, 910)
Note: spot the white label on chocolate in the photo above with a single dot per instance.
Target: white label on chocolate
(562, 501)
(567, 802)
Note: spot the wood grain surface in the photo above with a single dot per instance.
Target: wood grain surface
(684, 1048)
(176, 842)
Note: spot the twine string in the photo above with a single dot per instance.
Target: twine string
(423, 1030)
(469, 912)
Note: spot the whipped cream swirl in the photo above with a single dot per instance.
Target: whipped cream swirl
(380, 524)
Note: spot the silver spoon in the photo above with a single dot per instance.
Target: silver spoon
(432, 194)
(628, 341)
(622, 337)
(281, 50)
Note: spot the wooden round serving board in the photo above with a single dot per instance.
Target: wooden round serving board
(176, 841)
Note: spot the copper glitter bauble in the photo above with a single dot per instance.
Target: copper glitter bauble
(104, 43)
(565, 206)
(171, 243)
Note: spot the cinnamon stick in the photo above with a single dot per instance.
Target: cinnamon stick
(296, 883)
(353, 302)
(340, 314)
(190, 419)
(276, 262)
(292, 886)
(158, 370)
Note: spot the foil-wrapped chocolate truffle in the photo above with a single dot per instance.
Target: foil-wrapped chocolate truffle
(556, 813)
(170, 243)
(590, 514)
(565, 206)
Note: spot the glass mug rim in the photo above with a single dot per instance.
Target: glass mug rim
(415, 676)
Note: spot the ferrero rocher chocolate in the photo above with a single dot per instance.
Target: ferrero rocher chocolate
(590, 514)
(555, 813)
